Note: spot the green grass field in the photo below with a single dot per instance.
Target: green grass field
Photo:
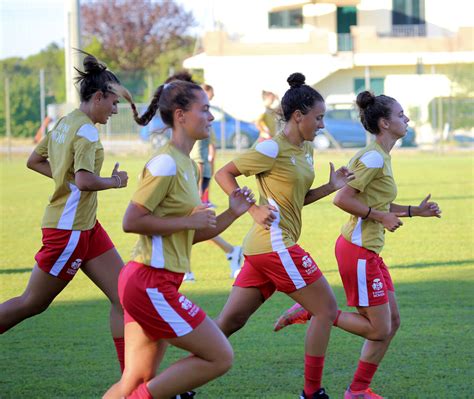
(67, 352)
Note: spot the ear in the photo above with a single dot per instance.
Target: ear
(97, 96)
(297, 116)
(179, 115)
(383, 123)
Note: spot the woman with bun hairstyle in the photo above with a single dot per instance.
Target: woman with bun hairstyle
(72, 155)
(167, 214)
(283, 166)
(369, 201)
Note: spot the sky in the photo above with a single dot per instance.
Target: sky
(28, 26)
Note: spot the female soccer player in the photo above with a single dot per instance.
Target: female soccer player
(167, 213)
(366, 279)
(284, 170)
(72, 155)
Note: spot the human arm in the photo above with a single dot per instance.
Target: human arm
(425, 209)
(88, 181)
(39, 164)
(346, 199)
(337, 179)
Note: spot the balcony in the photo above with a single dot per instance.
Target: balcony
(407, 31)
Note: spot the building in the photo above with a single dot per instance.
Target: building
(402, 48)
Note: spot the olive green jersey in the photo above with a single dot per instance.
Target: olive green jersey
(72, 145)
(167, 188)
(284, 175)
(374, 181)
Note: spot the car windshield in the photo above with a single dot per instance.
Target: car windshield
(343, 114)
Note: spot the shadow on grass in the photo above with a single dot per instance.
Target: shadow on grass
(16, 271)
(67, 351)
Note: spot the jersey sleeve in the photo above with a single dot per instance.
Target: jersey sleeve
(366, 168)
(84, 147)
(42, 147)
(155, 182)
(259, 159)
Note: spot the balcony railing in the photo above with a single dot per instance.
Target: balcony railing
(344, 42)
(408, 30)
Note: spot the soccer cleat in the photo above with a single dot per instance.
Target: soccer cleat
(297, 314)
(186, 395)
(189, 277)
(365, 394)
(235, 259)
(319, 394)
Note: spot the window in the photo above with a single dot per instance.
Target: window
(376, 85)
(408, 12)
(292, 18)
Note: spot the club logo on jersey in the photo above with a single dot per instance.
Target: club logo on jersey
(293, 160)
(74, 267)
(309, 159)
(309, 264)
(187, 305)
(377, 286)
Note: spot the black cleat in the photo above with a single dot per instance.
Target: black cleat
(319, 394)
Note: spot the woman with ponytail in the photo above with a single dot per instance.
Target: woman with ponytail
(283, 166)
(167, 214)
(366, 279)
(72, 155)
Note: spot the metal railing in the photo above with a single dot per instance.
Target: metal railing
(408, 30)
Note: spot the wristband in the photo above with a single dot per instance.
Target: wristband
(119, 181)
(368, 213)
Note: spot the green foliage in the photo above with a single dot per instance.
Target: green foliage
(456, 111)
(67, 351)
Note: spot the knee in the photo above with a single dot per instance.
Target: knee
(395, 324)
(33, 306)
(231, 324)
(225, 360)
(381, 332)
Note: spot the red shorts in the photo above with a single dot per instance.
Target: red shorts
(365, 276)
(285, 271)
(64, 251)
(150, 297)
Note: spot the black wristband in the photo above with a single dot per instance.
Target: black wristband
(368, 213)
(409, 211)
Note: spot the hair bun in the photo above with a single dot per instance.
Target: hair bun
(91, 65)
(365, 99)
(296, 80)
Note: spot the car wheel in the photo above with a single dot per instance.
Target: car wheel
(244, 141)
(158, 141)
(321, 142)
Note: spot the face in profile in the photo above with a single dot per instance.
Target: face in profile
(398, 122)
(105, 106)
(198, 119)
(312, 121)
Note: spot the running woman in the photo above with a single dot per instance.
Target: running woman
(72, 155)
(167, 213)
(366, 279)
(284, 170)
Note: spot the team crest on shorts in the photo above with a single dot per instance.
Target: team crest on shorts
(377, 286)
(187, 305)
(308, 264)
(74, 267)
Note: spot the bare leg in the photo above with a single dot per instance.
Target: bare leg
(41, 290)
(319, 299)
(240, 305)
(222, 244)
(104, 271)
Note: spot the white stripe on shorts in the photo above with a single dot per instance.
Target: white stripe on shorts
(362, 283)
(167, 313)
(66, 254)
(291, 269)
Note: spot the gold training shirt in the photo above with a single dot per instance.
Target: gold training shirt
(167, 188)
(284, 175)
(374, 181)
(72, 145)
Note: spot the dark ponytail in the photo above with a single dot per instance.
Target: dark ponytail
(372, 108)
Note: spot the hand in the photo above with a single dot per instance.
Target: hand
(263, 215)
(240, 200)
(340, 177)
(202, 217)
(391, 220)
(428, 209)
(120, 176)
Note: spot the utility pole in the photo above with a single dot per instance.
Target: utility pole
(42, 97)
(7, 117)
(72, 40)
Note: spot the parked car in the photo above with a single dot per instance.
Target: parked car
(343, 129)
(158, 135)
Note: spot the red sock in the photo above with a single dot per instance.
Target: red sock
(313, 372)
(120, 348)
(337, 318)
(363, 376)
(141, 392)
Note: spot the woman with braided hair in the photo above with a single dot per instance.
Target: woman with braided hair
(72, 155)
(167, 214)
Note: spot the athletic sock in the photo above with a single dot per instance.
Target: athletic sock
(337, 318)
(363, 376)
(120, 348)
(313, 372)
(141, 392)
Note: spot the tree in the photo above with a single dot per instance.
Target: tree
(135, 33)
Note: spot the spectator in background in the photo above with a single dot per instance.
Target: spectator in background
(267, 123)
